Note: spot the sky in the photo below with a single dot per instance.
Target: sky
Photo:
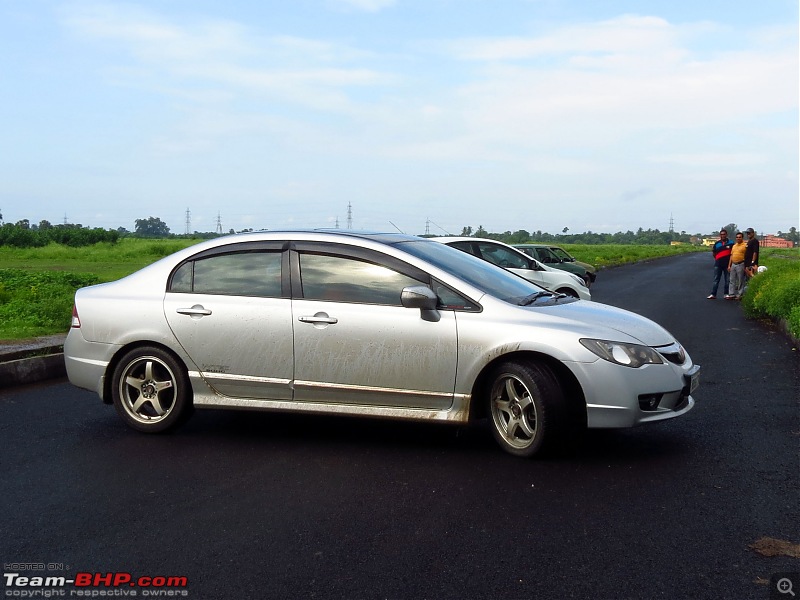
(425, 116)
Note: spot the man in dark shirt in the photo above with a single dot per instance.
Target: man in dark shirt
(751, 254)
(722, 254)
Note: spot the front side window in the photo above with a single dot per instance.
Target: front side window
(237, 274)
(345, 279)
(561, 253)
(502, 257)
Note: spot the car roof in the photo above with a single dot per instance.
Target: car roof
(385, 237)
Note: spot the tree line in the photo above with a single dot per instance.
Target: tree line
(23, 234)
(644, 237)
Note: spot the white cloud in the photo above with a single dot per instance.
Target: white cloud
(588, 111)
(372, 6)
(703, 160)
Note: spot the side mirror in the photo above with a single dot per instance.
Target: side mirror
(423, 298)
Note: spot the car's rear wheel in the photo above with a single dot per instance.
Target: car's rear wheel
(527, 408)
(151, 390)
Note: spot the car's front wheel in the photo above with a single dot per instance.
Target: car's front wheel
(526, 405)
(151, 390)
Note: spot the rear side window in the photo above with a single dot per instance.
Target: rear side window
(238, 274)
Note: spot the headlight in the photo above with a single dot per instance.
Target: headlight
(627, 355)
(578, 280)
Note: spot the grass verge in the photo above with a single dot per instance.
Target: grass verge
(775, 294)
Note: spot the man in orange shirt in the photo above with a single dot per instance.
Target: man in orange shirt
(736, 268)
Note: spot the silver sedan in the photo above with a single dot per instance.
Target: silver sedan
(380, 325)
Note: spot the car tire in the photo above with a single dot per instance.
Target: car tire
(151, 390)
(527, 408)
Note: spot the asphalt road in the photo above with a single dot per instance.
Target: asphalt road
(264, 506)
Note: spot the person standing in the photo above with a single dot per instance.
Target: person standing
(736, 268)
(751, 254)
(721, 251)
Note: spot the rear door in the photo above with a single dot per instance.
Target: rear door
(230, 310)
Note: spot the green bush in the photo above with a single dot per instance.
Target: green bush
(775, 294)
(39, 302)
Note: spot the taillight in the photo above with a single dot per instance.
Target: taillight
(76, 321)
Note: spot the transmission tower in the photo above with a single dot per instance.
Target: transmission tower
(188, 222)
(219, 223)
(349, 216)
(671, 224)
(337, 222)
(427, 226)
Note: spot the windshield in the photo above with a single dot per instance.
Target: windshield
(561, 253)
(483, 275)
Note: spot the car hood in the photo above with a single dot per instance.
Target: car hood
(608, 322)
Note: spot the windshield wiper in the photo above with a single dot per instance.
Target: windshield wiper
(527, 300)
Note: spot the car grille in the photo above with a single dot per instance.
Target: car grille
(674, 353)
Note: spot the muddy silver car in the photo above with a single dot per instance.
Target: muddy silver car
(379, 325)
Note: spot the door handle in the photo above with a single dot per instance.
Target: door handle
(196, 311)
(319, 319)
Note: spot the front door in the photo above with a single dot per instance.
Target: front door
(356, 344)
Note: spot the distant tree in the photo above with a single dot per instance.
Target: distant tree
(565, 230)
(152, 227)
(731, 228)
(44, 224)
(466, 231)
(480, 232)
(23, 224)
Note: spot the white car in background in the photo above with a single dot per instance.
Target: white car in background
(518, 262)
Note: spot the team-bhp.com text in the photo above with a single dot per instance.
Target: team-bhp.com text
(94, 585)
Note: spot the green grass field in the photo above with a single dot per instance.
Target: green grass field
(614, 255)
(37, 285)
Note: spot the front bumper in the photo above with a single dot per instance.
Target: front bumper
(618, 397)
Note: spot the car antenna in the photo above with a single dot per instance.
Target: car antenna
(396, 227)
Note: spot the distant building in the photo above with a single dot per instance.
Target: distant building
(770, 241)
